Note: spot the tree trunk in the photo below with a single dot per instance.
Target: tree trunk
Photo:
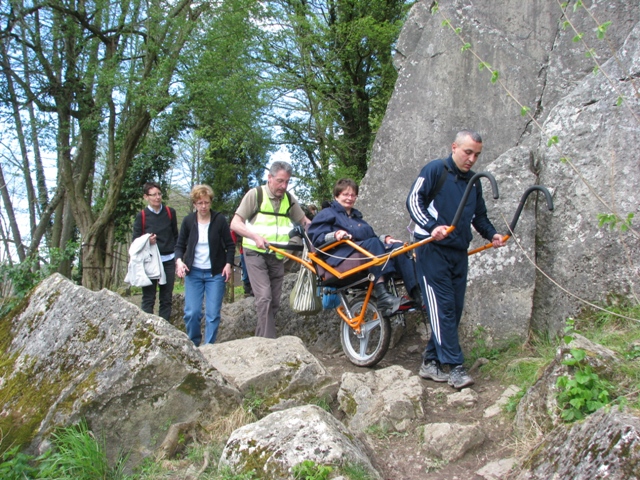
(13, 224)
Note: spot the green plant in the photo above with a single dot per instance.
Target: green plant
(355, 471)
(28, 273)
(77, 455)
(323, 403)
(378, 431)
(586, 392)
(481, 347)
(434, 464)
(309, 470)
(225, 473)
(16, 465)
(253, 403)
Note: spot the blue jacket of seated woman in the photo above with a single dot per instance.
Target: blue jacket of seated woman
(334, 218)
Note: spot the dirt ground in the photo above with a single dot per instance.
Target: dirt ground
(400, 455)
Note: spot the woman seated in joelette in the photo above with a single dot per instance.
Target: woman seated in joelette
(339, 221)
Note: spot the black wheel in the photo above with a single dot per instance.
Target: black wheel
(367, 348)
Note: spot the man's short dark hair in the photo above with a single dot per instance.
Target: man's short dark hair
(280, 165)
(149, 185)
(462, 134)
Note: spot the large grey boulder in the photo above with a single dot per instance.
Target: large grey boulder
(281, 440)
(440, 90)
(390, 398)
(281, 371)
(75, 354)
(501, 282)
(605, 445)
(592, 173)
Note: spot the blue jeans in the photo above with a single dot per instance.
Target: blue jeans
(198, 284)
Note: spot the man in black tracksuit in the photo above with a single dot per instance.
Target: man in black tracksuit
(442, 265)
(161, 222)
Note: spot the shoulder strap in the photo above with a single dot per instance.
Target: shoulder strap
(144, 216)
(439, 185)
(259, 204)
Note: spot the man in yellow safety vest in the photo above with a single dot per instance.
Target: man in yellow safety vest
(264, 216)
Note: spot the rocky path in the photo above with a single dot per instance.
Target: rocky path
(404, 455)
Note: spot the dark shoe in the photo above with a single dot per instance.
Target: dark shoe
(459, 378)
(387, 304)
(431, 371)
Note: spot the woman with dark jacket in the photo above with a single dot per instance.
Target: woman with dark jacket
(204, 255)
(339, 220)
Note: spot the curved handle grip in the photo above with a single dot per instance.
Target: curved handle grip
(531, 189)
(463, 202)
(516, 216)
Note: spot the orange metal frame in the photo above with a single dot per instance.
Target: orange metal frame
(315, 259)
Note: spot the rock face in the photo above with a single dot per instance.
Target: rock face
(278, 442)
(280, 370)
(605, 445)
(440, 90)
(76, 353)
(450, 441)
(390, 398)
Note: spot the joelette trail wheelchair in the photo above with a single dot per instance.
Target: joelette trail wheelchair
(365, 332)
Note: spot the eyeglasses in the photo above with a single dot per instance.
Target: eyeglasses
(203, 204)
(349, 195)
(154, 194)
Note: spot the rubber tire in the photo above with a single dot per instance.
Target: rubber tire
(370, 349)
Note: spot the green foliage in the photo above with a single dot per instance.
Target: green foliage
(585, 392)
(78, 455)
(225, 473)
(601, 30)
(253, 403)
(323, 403)
(17, 465)
(514, 401)
(614, 221)
(481, 347)
(27, 274)
(355, 471)
(309, 470)
(382, 433)
(229, 104)
(331, 74)
(75, 455)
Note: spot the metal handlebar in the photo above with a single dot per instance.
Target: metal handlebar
(467, 191)
(516, 216)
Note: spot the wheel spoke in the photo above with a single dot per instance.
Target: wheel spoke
(367, 327)
(364, 343)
